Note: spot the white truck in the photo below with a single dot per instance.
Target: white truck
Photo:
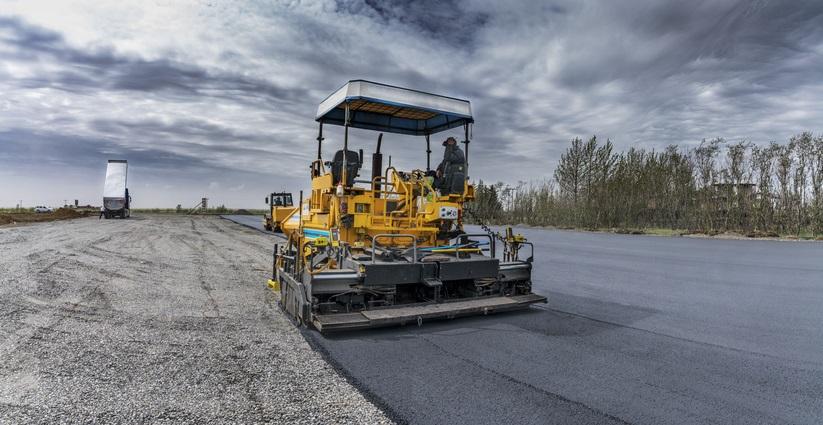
(116, 199)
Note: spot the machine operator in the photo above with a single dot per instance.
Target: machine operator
(451, 173)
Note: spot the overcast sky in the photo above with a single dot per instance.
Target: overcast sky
(217, 99)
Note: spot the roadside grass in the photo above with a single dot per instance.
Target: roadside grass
(660, 231)
(653, 231)
(664, 231)
(806, 236)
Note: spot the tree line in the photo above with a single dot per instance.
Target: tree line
(717, 186)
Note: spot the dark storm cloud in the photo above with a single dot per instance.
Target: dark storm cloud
(676, 72)
(45, 149)
(326, 55)
(445, 21)
(201, 138)
(185, 128)
(710, 40)
(103, 69)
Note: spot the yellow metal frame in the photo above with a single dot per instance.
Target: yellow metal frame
(395, 203)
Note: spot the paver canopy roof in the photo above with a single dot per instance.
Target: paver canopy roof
(391, 109)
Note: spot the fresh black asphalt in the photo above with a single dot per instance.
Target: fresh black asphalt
(638, 329)
(251, 221)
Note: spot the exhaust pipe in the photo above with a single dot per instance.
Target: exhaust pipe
(377, 164)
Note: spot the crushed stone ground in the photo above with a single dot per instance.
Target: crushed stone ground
(162, 319)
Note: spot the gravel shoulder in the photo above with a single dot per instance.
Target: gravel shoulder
(155, 319)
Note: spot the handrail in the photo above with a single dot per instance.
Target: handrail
(382, 178)
(531, 252)
(393, 236)
(492, 242)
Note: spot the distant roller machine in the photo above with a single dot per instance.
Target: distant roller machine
(391, 250)
(116, 198)
(281, 206)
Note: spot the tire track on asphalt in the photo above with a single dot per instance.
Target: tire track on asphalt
(509, 378)
(660, 334)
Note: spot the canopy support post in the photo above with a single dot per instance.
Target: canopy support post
(320, 142)
(344, 176)
(428, 153)
(466, 142)
(299, 255)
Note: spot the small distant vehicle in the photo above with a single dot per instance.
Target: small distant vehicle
(116, 198)
(42, 209)
(281, 206)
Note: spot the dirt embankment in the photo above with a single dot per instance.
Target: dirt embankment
(31, 217)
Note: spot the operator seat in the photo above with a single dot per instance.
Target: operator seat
(353, 164)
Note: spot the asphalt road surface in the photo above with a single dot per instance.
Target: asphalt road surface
(638, 329)
(251, 221)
